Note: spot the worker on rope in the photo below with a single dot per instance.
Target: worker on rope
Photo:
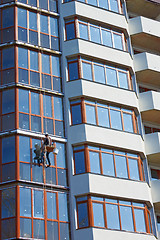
(38, 153)
(47, 142)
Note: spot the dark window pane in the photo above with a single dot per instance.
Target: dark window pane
(25, 202)
(58, 114)
(45, 64)
(87, 71)
(8, 76)
(23, 76)
(34, 79)
(108, 164)
(8, 58)
(62, 178)
(8, 143)
(25, 172)
(32, 2)
(55, 43)
(8, 228)
(121, 166)
(83, 31)
(22, 17)
(98, 215)
(47, 106)
(64, 231)
(25, 228)
(133, 168)
(112, 216)
(55, 66)
(8, 207)
(8, 101)
(90, 114)
(107, 38)
(34, 60)
(76, 114)
(44, 41)
(46, 81)
(140, 220)
(79, 162)
(43, 21)
(48, 126)
(95, 34)
(35, 104)
(33, 20)
(51, 205)
(70, 31)
(53, 5)
(51, 175)
(22, 34)
(37, 174)
(38, 229)
(43, 4)
(23, 101)
(63, 208)
(33, 37)
(8, 122)
(154, 174)
(103, 117)
(116, 122)
(8, 172)
(54, 26)
(123, 80)
(83, 215)
(128, 123)
(126, 218)
(8, 17)
(35, 124)
(52, 230)
(94, 162)
(57, 84)
(24, 121)
(22, 57)
(8, 35)
(61, 161)
(38, 204)
(73, 71)
(59, 128)
(111, 77)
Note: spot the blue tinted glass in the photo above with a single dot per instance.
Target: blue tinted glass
(25, 227)
(43, 24)
(8, 143)
(112, 216)
(38, 204)
(76, 114)
(45, 63)
(107, 38)
(116, 122)
(38, 229)
(83, 215)
(47, 106)
(70, 31)
(25, 202)
(22, 57)
(133, 169)
(108, 164)
(51, 205)
(126, 218)
(37, 174)
(22, 17)
(73, 71)
(95, 34)
(32, 20)
(35, 106)
(8, 101)
(139, 220)
(79, 162)
(118, 41)
(7, 58)
(103, 4)
(8, 17)
(114, 6)
(99, 74)
(64, 231)
(111, 77)
(8, 203)
(63, 210)
(87, 70)
(94, 162)
(92, 2)
(83, 31)
(61, 155)
(54, 26)
(103, 117)
(90, 114)
(24, 152)
(121, 166)
(25, 171)
(98, 215)
(110, 200)
(128, 123)
(34, 60)
(58, 114)
(123, 80)
(23, 101)
(55, 66)
(52, 230)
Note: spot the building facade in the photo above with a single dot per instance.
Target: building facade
(87, 73)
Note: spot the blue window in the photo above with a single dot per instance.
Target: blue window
(108, 164)
(8, 206)
(92, 2)
(98, 215)
(103, 4)
(8, 101)
(33, 21)
(47, 106)
(43, 23)
(58, 108)
(8, 17)
(45, 63)
(73, 71)
(33, 60)
(126, 218)
(123, 80)
(54, 26)
(118, 41)
(22, 17)
(51, 205)
(35, 105)
(24, 153)
(114, 6)
(63, 210)
(70, 31)
(121, 166)
(95, 34)
(23, 101)
(22, 57)
(116, 122)
(79, 162)
(107, 38)
(99, 74)
(83, 31)
(82, 215)
(76, 114)
(103, 117)
(7, 58)
(90, 114)
(112, 216)
(133, 168)
(87, 70)
(111, 77)
(94, 162)
(8, 143)
(55, 66)
(25, 202)
(140, 220)
(38, 209)
(25, 227)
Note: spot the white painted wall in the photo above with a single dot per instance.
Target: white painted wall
(149, 101)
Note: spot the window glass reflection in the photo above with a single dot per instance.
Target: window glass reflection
(121, 166)
(112, 216)
(25, 202)
(8, 101)
(8, 143)
(83, 215)
(79, 162)
(126, 218)
(7, 58)
(38, 204)
(94, 162)
(98, 215)
(51, 205)
(90, 114)
(8, 203)
(8, 17)
(63, 209)
(108, 164)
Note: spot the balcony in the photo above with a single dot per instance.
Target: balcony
(152, 146)
(150, 106)
(155, 186)
(145, 33)
(147, 68)
(149, 8)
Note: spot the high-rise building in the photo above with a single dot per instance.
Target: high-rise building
(86, 72)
